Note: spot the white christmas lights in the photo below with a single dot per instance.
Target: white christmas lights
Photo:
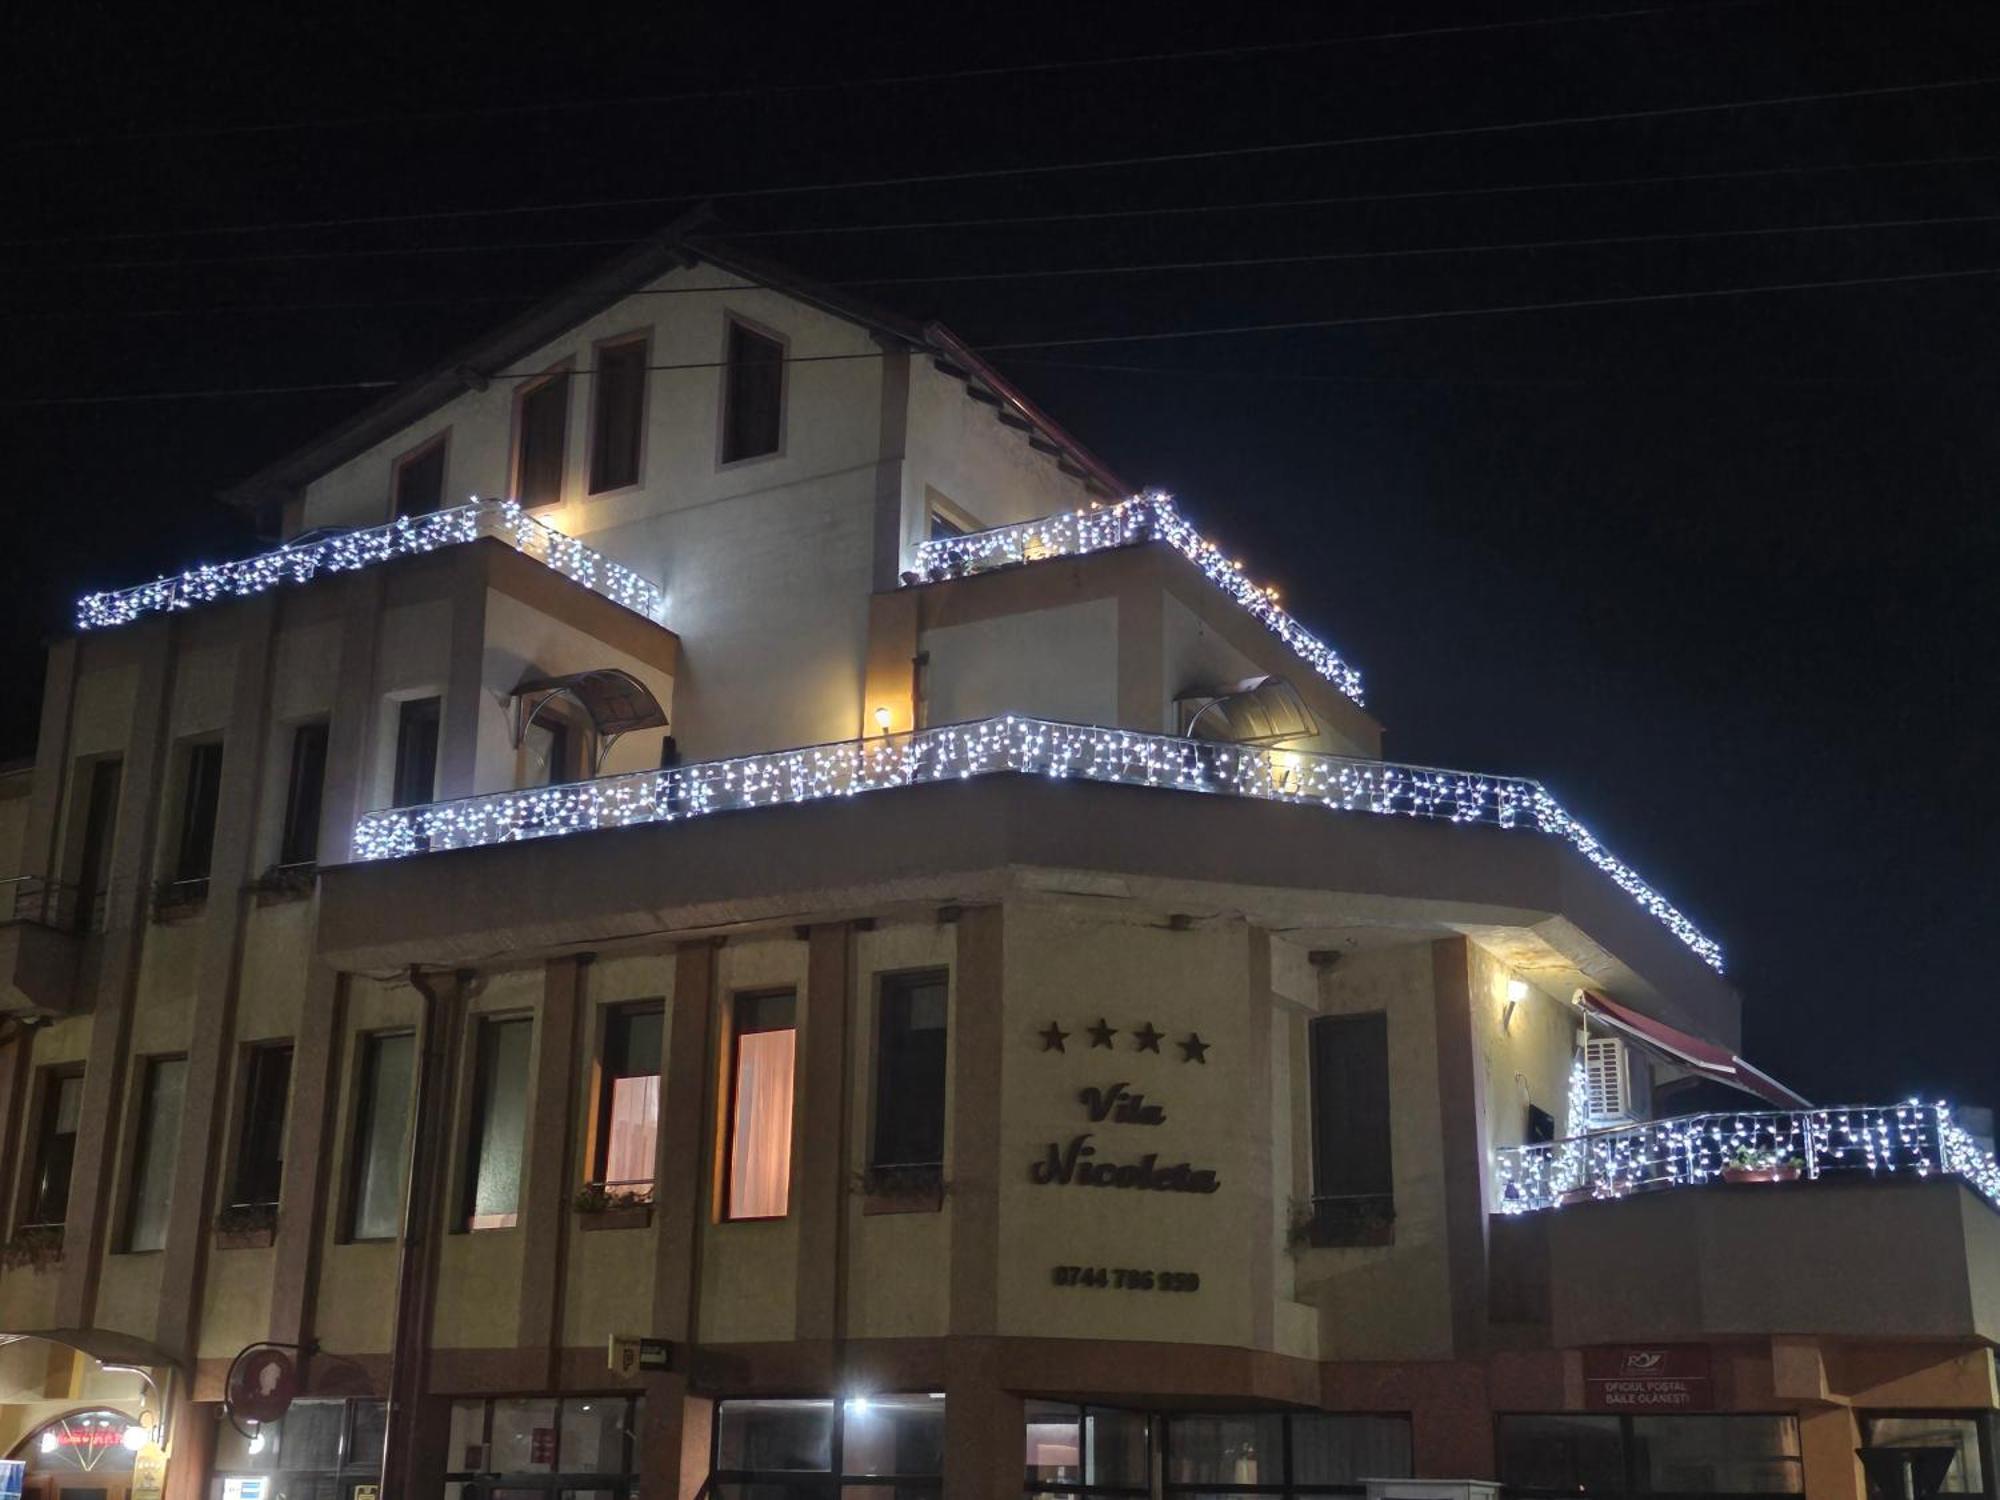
(1010, 743)
(1879, 1139)
(1143, 518)
(406, 536)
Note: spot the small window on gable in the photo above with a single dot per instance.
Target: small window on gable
(542, 424)
(753, 394)
(618, 415)
(420, 479)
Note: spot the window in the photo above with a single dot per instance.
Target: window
(260, 1138)
(555, 745)
(1571, 1454)
(100, 821)
(298, 843)
(628, 1101)
(1353, 1192)
(618, 415)
(909, 1072)
(162, 1090)
(1298, 1453)
(420, 479)
(542, 423)
(201, 789)
(499, 1123)
(760, 1106)
(1087, 1450)
(942, 527)
(891, 1444)
(573, 1447)
(416, 751)
(753, 394)
(323, 1448)
(1956, 1430)
(382, 1126)
(55, 1147)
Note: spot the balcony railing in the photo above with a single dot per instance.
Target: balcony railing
(984, 747)
(407, 536)
(1875, 1140)
(1144, 518)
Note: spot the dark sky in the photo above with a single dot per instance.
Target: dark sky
(1718, 570)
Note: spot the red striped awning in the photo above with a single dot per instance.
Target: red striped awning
(1705, 1058)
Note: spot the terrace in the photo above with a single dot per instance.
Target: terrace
(347, 551)
(1766, 1146)
(1009, 744)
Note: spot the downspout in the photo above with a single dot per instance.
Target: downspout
(413, 1262)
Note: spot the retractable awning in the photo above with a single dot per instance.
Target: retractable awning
(1704, 1058)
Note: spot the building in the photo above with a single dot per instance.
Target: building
(822, 878)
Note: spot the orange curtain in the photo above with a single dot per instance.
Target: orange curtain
(760, 1156)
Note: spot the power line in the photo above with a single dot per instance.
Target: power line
(1060, 272)
(1297, 325)
(892, 80)
(1168, 158)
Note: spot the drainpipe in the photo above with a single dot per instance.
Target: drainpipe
(415, 1263)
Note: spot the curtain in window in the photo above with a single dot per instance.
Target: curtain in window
(760, 1159)
(635, 1125)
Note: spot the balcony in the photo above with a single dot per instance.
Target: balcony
(1144, 518)
(1018, 745)
(40, 926)
(349, 551)
(1870, 1140)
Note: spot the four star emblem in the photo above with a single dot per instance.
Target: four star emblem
(1146, 1038)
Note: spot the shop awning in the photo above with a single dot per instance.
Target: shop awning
(1704, 1058)
(103, 1345)
(616, 701)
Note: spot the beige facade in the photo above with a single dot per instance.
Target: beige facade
(1134, 1199)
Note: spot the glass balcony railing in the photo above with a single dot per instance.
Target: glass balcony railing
(407, 536)
(1011, 743)
(1876, 1140)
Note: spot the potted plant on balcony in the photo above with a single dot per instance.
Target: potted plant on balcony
(1744, 1162)
(601, 1205)
(33, 1248)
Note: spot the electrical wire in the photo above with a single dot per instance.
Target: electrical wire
(892, 80)
(1295, 325)
(1097, 164)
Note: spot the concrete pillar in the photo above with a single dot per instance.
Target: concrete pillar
(545, 1200)
(350, 729)
(674, 1437)
(202, 1158)
(311, 1156)
(39, 855)
(1262, 1232)
(984, 1429)
(465, 685)
(978, 1053)
(1462, 1108)
(819, 1154)
(681, 1202)
(891, 433)
(128, 913)
(1828, 1437)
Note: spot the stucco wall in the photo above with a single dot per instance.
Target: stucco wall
(1059, 663)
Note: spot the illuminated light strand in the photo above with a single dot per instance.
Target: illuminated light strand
(1143, 518)
(983, 747)
(406, 536)
(1909, 1139)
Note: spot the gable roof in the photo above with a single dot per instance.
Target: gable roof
(695, 237)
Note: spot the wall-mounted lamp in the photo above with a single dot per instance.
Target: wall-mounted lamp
(1517, 991)
(882, 717)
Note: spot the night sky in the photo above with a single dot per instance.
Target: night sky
(1718, 570)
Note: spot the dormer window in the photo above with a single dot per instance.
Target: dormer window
(419, 482)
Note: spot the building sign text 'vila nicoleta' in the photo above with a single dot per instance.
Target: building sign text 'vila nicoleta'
(1072, 1163)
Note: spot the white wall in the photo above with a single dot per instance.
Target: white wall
(1059, 663)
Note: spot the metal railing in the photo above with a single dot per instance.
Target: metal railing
(1908, 1139)
(1011, 743)
(1143, 518)
(406, 536)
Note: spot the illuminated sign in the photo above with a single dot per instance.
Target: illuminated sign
(244, 1487)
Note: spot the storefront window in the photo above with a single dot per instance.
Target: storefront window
(1966, 1434)
(1570, 1454)
(319, 1450)
(865, 1446)
(1286, 1453)
(544, 1448)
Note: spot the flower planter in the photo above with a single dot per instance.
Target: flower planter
(257, 1237)
(1760, 1174)
(625, 1216)
(901, 1190)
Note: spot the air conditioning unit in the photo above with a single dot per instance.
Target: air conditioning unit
(1618, 1081)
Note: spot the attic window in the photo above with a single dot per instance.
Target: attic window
(419, 484)
(753, 394)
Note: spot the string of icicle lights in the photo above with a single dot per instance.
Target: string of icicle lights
(1908, 1139)
(406, 536)
(1010, 743)
(1143, 518)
